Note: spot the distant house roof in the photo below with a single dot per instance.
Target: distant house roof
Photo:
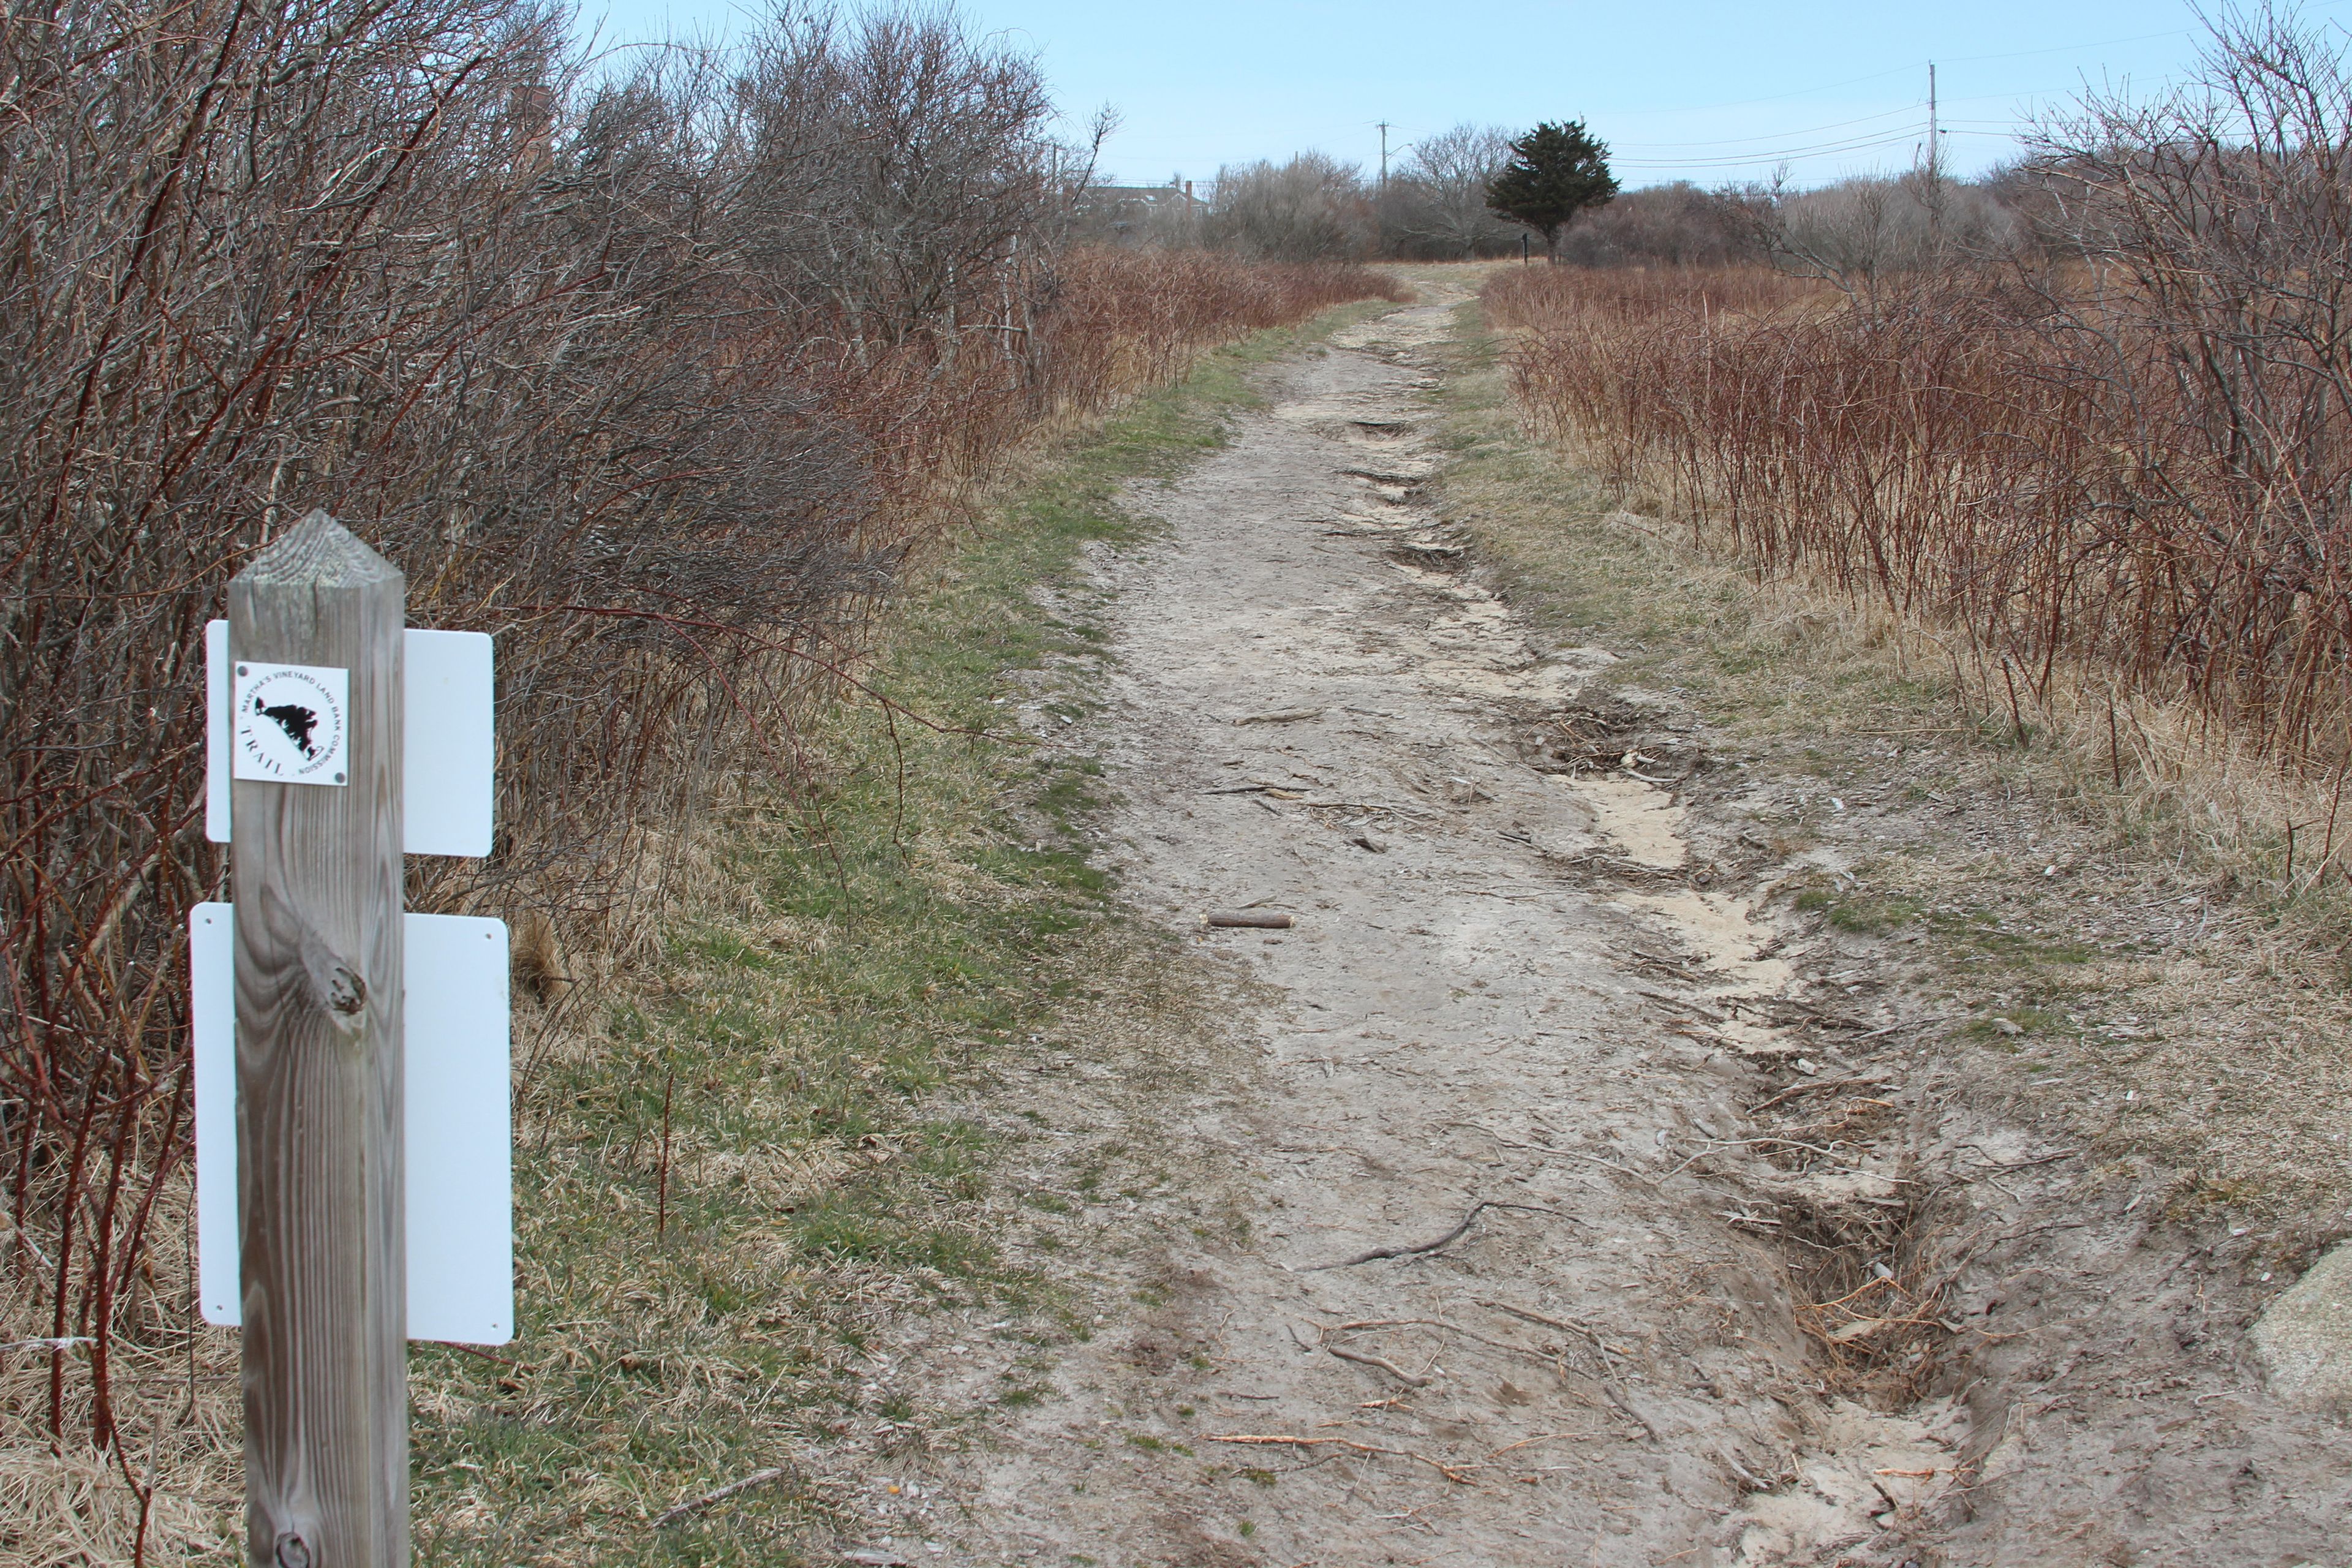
(1142, 195)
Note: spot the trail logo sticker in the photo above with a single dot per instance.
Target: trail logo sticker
(289, 723)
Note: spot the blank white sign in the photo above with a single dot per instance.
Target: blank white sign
(447, 725)
(460, 1142)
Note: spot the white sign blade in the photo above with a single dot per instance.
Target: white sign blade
(452, 747)
(216, 731)
(459, 1158)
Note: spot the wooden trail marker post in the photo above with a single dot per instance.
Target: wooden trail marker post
(313, 1083)
(320, 983)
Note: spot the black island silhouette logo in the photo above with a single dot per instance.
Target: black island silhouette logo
(297, 721)
(291, 723)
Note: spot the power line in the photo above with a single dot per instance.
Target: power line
(1775, 135)
(1915, 64)
(1777, 155)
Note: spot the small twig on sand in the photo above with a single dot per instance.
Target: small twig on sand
(1795, 1089)
(1455, 1473)
(1617, 1396)
(1546, 1437)
(1565, 1324)
(1363, 805)
(1447, 1325)
(1482, 1127)
(1448, 1239)
(1610, 1164)
(1251, 919)
(1552, 1149)
(1829, 1153)
(2024, 1164)
(720, 1494)
(1386, 1365)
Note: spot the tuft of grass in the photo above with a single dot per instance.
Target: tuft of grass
(1861, 915)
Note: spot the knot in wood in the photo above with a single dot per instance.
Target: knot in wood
(346, 992)
(293, 1552)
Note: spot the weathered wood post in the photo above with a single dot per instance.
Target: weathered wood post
(317, 879)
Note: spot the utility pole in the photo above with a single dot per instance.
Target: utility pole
(1384, 155)
(1935, 142)
(1935, 170)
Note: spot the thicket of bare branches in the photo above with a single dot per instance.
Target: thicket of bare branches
(1676, 225)
(1434, 207)
(1316, 208)
(657, 377)
(2117, 440)
(1311, 208)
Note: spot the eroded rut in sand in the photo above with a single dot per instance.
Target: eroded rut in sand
(1549, 1214)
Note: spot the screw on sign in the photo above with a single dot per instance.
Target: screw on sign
(311, 1156)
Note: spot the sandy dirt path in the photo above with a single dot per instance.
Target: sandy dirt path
(1488, 1246)
(1316, 713)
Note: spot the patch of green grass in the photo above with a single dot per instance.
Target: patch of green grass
(724, 1173)
(1982, 933)
(1860, 913)
(2021, 1021)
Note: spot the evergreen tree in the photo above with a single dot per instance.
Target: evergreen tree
(1555, 172)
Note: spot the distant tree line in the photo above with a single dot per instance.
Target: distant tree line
(1478, 191)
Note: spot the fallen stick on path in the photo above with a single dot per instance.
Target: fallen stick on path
(1281, 716)
(1386, 1365)
(1570, 1325)
(1608, 1381)
(1451, 1472)
(1446, 1324)
(720, 1494)
(1795, 1089)
(1365, 805)
(1249, 919)
(1547, 1437)
(1451, 1237)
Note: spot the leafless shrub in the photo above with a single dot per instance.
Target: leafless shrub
(1435, 205)
(1870, 233)
(2195, 306)
(1311, 208)
(1676, 225)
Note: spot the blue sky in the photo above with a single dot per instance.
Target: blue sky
(1697, 88)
